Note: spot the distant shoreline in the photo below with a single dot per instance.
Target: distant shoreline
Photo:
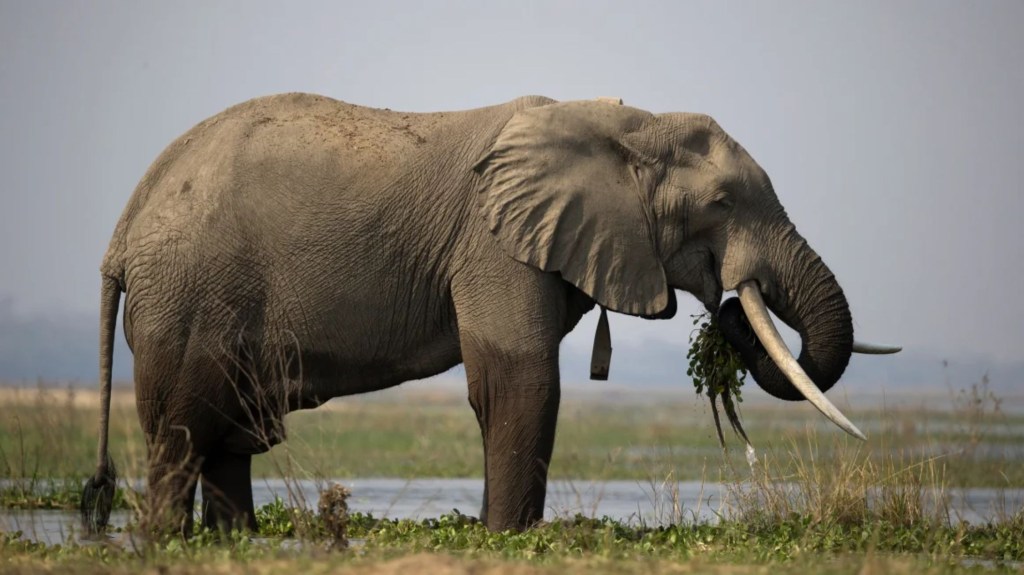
(453, 390)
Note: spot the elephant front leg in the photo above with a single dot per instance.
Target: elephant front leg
(511, 320)
(516, 403)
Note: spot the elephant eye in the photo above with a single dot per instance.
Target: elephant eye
(722, 200)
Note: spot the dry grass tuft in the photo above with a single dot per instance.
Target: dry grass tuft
(333, 512)
(849, 487)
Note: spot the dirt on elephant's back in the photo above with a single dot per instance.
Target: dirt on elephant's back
(379, 132)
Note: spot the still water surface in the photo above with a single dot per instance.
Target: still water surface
(630, 501)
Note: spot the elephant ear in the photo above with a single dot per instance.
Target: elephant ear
(559, 192)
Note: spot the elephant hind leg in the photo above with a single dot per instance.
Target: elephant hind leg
(227, 492)
(182, 400)
(171, 483)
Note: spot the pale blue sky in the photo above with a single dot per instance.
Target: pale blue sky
(891, 130)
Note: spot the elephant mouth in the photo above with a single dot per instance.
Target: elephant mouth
(711, 295)
(708, 290)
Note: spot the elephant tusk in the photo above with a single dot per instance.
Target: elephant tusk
(874, 349)
(761, 322)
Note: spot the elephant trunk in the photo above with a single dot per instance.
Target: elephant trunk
(806, 296)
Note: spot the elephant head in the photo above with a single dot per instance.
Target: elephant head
(629, 206)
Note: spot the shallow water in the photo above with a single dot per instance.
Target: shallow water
(630, 501)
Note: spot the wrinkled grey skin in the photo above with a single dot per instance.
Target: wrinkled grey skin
(295, 248)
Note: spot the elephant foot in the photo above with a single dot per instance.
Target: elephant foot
(227, 492)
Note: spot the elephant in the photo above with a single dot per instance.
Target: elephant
(295, 248)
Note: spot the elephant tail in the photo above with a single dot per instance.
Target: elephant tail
(98, 493)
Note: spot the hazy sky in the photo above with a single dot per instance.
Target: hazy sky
(891, 130)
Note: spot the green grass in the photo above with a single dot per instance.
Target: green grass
(457, 544)
(48, 437)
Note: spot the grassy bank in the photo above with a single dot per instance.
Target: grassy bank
(815, 502)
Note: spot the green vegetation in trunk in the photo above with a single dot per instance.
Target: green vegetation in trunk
(717, 371)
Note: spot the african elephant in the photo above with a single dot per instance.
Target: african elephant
(295, 248)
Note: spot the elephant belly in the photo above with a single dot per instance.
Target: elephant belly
(364, 360)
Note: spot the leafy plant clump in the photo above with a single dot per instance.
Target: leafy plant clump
(717, 371)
